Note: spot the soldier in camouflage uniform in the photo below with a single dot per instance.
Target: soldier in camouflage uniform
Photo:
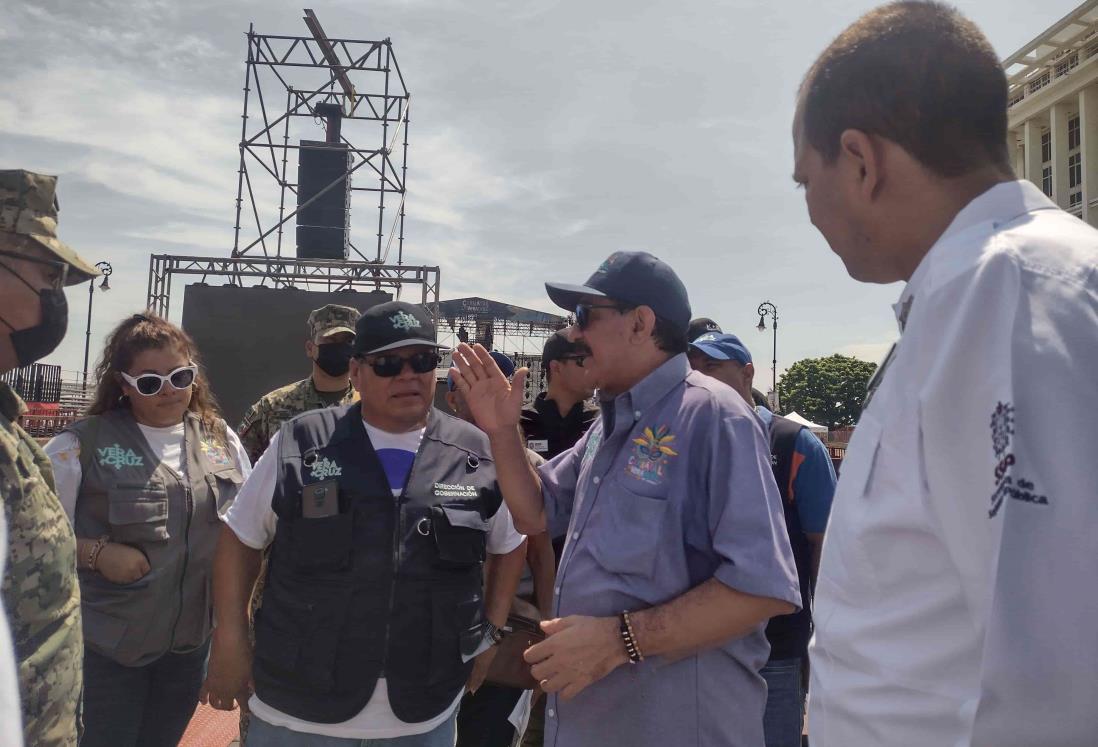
(40, 593)
(331, 332)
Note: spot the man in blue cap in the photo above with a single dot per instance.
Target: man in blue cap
(676, 554)
(806, 482)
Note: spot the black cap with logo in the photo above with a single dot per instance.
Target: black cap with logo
(636, 278)
(700, 326)
(393, 325)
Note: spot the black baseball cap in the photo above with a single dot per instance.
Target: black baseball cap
(558, 346)
(393, 325)
(635, 278)
(700, 326)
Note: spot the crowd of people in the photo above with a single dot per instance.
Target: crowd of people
(349, 566)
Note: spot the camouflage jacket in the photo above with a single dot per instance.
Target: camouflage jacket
(40, 589)
(265, 417)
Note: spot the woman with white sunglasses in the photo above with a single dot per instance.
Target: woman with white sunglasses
(144, 479)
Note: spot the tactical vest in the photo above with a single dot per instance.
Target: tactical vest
(126, 493)
(382, 585)
(789, 634)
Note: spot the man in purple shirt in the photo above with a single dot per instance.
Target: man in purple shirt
(676, 551)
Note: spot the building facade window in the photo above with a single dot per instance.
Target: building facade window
(1073, 133)
(1046, 181)
(1076, 198)
(1065, 65)
(1046, 147)
(1075, 170)
(1040, 82)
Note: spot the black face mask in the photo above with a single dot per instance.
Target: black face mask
(35, 343)
(334, 358)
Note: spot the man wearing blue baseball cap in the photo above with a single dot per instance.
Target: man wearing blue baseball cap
(675, 554)
(806, 482)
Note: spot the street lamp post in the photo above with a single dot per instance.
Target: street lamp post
(768, 309)
(106, 269)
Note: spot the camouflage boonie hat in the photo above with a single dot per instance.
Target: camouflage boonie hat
(28, 208)
(330, 319)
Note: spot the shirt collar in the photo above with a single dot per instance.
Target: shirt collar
(649, 390)
(1000, 204)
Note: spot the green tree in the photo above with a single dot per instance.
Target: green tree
(828, 391)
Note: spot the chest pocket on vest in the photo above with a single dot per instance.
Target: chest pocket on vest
(461, 534)
(138, 514)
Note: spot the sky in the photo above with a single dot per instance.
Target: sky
(544, 135)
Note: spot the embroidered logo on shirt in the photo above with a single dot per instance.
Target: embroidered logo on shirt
(651, 455)
(1006, 486)
(324, 468)
(117, 457)
(216, 455)
(404, 320)
(455, 491)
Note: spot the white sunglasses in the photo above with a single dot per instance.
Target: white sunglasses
(149, 384)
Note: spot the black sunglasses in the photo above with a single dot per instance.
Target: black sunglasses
(583, 312)
(579, 359)
(388, 366)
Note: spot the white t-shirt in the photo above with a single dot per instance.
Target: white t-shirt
(166, 444)
(253, 521)
(955, 603)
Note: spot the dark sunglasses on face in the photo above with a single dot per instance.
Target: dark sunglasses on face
(579, 359)
(583, 312)
(388, 366)
(149, 384)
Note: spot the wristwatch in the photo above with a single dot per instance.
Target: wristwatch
(492, 633)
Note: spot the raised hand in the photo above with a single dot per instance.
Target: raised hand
(495, 403)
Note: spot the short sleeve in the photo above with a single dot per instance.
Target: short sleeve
(251, 516)
(240, 456)
(502, 535)
(559, 477)
(744, 513)
(813, 478)
(64, 453)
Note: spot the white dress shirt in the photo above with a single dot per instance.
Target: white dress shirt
(957, 602)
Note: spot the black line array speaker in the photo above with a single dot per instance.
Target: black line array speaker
(322, 226)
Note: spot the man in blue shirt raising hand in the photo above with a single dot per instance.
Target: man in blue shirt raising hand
(676, 552)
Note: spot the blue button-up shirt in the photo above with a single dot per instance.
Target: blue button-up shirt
(671, 488)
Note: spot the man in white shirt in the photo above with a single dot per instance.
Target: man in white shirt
(378, 516)
(954, 605)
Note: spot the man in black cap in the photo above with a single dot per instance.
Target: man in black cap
(676, 553)
(561, 414)
(378, 515)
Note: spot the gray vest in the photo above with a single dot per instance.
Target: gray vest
(128, 494)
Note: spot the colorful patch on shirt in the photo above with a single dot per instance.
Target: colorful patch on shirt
(325, 468)
(651, 455)
(218, 456)
(117, 457)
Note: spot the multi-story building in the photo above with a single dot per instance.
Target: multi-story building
(1053, 111)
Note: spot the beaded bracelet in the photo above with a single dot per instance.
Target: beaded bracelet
(93, 553)
(629, 638)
